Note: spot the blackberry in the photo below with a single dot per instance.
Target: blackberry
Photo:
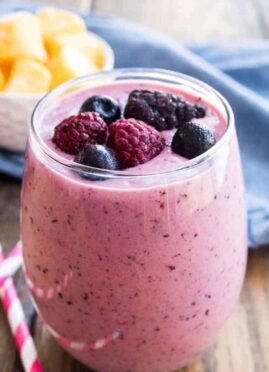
(161, 110)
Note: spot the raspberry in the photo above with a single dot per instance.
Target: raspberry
(161, 110)
(78, 130)
(134, 141)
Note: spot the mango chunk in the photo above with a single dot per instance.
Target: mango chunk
(55, 21)
(6, 68)
(85, 42)
(2, 79)
(70, 63)
(28, 76)
(21, 37)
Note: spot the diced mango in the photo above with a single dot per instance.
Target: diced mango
(28, 76)
(6, 68)
(86, 42)
(68, 64)
(55, 21)
(2, 79)
(21, 37)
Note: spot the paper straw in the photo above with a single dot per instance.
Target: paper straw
(17, 321)
(11, 263)
(48, 294)
(52, 291)
(84, 346)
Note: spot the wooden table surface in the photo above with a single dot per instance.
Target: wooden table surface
(243, 344)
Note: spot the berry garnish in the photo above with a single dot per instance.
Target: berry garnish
(161, 110)
(73, 133)
(134, 141)
(105, 106)
(192, 140)
(98, 156)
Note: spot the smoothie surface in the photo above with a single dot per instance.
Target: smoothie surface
(167, 160)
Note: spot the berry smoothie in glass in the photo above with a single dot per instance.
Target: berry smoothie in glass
(133, 218)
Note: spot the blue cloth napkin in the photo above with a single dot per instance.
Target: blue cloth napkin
(240, 71)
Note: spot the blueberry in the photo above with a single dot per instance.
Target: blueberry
(192, 140)
(97, 156)
(105, 106)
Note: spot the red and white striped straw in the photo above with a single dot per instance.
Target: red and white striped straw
(17, 321)
(11, 263)
(84, 346)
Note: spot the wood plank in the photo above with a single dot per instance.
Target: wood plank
(9, 234)
(257, 308)
(9, 211)
(190, 20)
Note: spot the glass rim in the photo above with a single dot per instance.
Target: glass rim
(160, 73)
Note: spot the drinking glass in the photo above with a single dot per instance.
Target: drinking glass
(133, 271)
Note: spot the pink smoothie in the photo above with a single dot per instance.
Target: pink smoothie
(160, 258)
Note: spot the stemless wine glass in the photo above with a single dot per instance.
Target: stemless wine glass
(136, 272)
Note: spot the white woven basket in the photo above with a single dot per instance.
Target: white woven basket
(16, 110)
